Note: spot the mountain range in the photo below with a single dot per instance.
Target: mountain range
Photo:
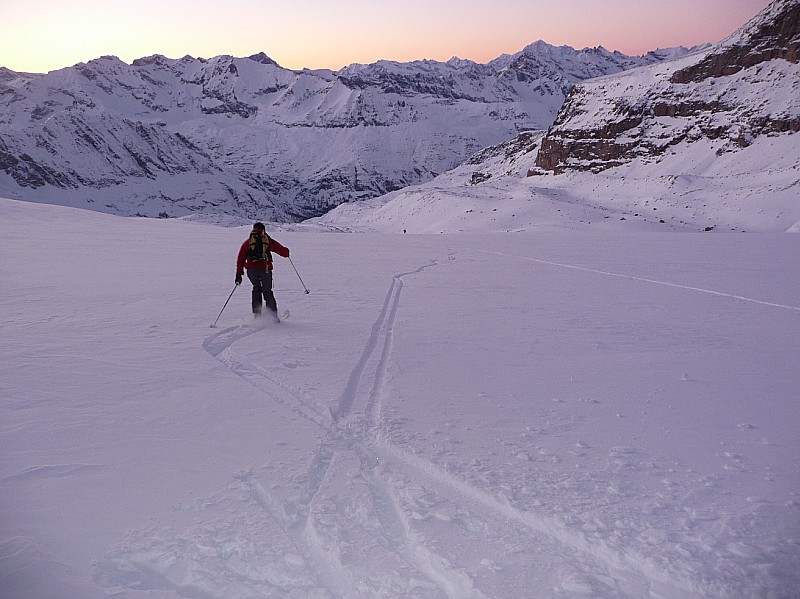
(707, 141)
(248, 138)
(744, 88)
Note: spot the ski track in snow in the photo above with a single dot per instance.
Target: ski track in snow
(219, 346)
(352, 430)
(353, 433)
(643, 279)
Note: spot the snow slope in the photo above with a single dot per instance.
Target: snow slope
(539, 415)
(755, 190)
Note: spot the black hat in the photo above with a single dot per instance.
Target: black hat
(259, 226)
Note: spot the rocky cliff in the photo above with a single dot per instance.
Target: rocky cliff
(745, 87)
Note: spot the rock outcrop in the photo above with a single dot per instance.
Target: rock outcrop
(746, 87)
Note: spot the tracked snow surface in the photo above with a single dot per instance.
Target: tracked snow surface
(531, 415)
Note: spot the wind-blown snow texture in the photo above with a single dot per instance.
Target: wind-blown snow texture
(550, 415)
(246, 137)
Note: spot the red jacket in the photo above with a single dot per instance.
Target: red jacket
(243, 262)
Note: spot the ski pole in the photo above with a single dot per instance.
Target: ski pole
(298, 275)
(223, 307)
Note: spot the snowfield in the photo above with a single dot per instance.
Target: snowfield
(551, 414)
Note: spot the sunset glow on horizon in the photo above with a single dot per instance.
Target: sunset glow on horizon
(44, 35)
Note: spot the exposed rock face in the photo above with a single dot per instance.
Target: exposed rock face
(776, 34)
(591, 146)
(746, 87)
(245, 136)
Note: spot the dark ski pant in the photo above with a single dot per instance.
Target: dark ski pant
(262, 287)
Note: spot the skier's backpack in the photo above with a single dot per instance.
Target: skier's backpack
(259, 247)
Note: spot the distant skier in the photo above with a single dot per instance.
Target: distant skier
(255, 255)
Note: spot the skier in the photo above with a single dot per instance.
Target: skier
(256, 256)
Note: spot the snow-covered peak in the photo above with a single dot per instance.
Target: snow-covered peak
(457, 62)
(262, 58)
(542, 48)
(154, 59)
(773, 33)
(778, 11)
(9, 77)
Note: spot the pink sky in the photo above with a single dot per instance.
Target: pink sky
(41, 35)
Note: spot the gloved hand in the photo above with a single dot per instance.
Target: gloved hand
(287, 252)
(238, 279)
